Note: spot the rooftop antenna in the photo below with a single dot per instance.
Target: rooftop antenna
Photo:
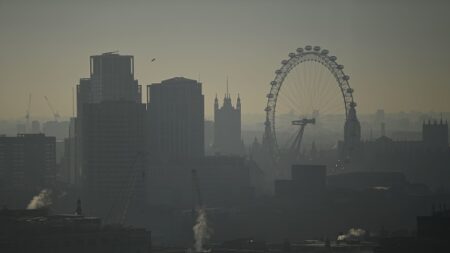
(228, 94)
(73, 102)
(27, 116)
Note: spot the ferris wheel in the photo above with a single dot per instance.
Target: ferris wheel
(309, 88)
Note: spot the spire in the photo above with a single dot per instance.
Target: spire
(238, 102)
(216, 103)
(227, 94)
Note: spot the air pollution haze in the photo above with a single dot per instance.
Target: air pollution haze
(394, 51)
(303, 126)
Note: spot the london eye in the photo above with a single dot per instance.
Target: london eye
(310, 88)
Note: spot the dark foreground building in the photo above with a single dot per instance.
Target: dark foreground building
(109, 134)
(38, 231)
(27, 166)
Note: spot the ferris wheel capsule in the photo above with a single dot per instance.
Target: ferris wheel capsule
(273, 83)
(267, 109)
(350, 90)
(292, 55)
(333, 58)
(308, 48)
(284, 62)
(346, 78)
(278, 71)
(325, 52)
(270, 95)
(316, 48)
(340, 67)
(299, 50)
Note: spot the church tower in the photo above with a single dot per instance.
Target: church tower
(227, 126)
(352, 130)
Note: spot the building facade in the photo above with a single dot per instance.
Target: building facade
(109, 132)
(175, 116)
(27, 165)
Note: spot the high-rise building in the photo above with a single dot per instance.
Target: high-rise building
(109, 131)
(112, 144)
(176, 119)
(27, 166)
(227, 127)
(111, 79)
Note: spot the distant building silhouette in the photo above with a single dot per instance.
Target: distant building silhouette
(175, 118)
(27, 165)
(227, 127)
(352, 129)
(435, 134)
(423, 161)
(59, 129)
(35, 127)
(209, 137)
(109, 130)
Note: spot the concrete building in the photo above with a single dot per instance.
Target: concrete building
(227, 127)
(175, 116)
(27, 165)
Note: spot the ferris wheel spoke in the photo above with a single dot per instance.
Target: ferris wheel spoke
(307, 85)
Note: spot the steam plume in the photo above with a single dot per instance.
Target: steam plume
(41, 200)
(201, 230)
(352, 234)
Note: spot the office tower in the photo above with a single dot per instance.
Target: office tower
(109, 131)
(227, 127)
(27, 166)
(111, 79)
(113, 143)
(176, 119)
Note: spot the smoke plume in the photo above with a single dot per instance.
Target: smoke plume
(353, 233)
(41, 200)
(201, 230)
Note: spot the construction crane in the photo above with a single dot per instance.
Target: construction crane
(296, 144)
(55, 113)
(27, 115)
(196, 190)
(122, 203)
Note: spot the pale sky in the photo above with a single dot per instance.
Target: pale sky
(397, 54)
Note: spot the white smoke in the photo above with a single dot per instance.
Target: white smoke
(41, 200)
(201, 230)
(353, 233)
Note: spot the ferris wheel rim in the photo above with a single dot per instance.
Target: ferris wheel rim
(306, 54)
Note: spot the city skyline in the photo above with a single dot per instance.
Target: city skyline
(208, 41)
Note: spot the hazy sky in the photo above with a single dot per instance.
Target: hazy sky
(396, 53)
